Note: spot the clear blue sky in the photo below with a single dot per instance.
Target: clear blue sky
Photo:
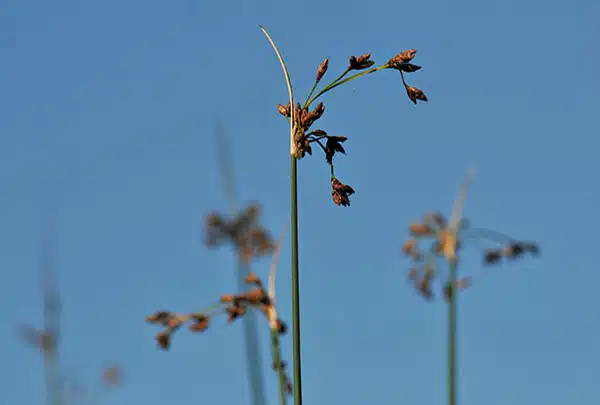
(107, 116)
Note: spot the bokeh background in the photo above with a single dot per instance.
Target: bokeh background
(108, 113)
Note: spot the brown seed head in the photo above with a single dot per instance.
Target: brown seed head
(492, 256)
(160, 317)
(409, 246)
(284, 110)
(403, 57)
(415, 94)
(361, 62)
(341, 192)
(322, 69)
(227, 298)
(235, 312)
(163, 339)
(418, 229)
(199, 326)
(252, 278)
(256, 296)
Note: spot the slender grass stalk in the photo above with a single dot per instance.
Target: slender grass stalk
(253, 357)
(294, 231)
(452, 334)
(51, 315)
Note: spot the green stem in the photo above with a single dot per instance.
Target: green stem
(295, 285)
(452, 333)
(337, 82)
(279, 367)
(340, 77)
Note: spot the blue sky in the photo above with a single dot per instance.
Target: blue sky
(108, 113)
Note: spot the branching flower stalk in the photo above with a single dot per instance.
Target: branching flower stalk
(447, 238)
(301, 137)
(236, 306)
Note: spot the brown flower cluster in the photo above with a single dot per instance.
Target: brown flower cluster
(401, 63)
(250, 239)
(434, 227)
(234, 306)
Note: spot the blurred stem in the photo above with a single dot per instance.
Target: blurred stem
(279, 367)
(338, 82)
(251, 341)
(295, 285)
(253, 357)
(452, 333)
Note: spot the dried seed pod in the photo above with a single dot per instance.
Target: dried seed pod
(415, 94)
(284, 109)
(199, 326)
(418, 229)
(403, 57)
(163, 339)
(322, 69)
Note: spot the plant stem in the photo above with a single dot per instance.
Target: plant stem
(279, 367)
(452, 334)
(295, 285)
(253, 357)
(251, 343)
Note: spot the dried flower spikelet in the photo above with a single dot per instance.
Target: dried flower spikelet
(415, 94)
(333, 145)
(256, 296)
(160, 317)
(409, 247)
(199, 325)
(418, 229)
(403, 57)
(252, 278)
(322, 69)
(227, 298)
(163, 339)
(341, 192)
(284, 110)
(361, 62)
(235, 312)
(111, 376)
(492, 256)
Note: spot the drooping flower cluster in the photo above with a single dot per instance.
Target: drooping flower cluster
(235, 306)
(303, 118)
(434, 228)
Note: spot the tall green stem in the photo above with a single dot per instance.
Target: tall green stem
(452, 334)
(295, 285)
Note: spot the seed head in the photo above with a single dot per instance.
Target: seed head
(322, 69)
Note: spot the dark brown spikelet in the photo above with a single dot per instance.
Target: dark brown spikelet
(492, 256)
(160, 317)
(163, 339)
(361, 62)
(403, 57)
(200, 325)
(341, 192)
(234, 312)
(333, 145)
(252, 278)
(322, 69)
(407, 67)
(415, 94)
